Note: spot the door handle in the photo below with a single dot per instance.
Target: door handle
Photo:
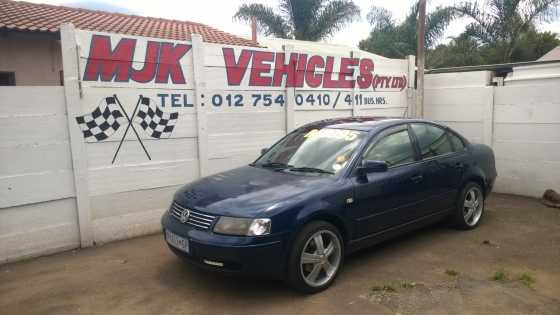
(416, 179)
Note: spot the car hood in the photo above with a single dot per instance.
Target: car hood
(249, 191)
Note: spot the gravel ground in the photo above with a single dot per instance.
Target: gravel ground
(509, 265)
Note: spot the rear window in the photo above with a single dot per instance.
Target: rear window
(432, 140)
(458, 144)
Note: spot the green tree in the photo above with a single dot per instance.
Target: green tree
(460, 51)
(467, 51)
(311, 20)
(532, 45)
(394, 39)
(499, 24)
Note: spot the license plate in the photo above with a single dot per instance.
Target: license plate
(176, 241)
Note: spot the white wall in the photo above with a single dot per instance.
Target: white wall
(462, 101)
(37, 204)
(520, 120)
(59, 190)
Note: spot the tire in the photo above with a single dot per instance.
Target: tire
(468, 217)
(317, 274)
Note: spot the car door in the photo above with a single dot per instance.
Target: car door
(387, 199)
(443, 165)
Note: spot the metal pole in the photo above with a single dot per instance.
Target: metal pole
(421, 57)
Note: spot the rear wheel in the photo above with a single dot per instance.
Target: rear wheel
(470, 207)
(316, 257)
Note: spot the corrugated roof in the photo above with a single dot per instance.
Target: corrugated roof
(25, 16)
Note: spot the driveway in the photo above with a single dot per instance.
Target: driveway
(509, 265)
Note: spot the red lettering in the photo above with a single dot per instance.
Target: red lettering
(105, 64)
(312, 79)
(300, 72)
(387, 82)
(147, 73)
(259, 67)
(236, 70)
(366, 76)
(396, 82)
(403, 86)
(281, 69)
(327, 78)
(170, 63)
(346, 71)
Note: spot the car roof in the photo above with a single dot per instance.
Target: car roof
(365, 123)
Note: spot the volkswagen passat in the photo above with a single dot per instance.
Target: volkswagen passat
(325, 190)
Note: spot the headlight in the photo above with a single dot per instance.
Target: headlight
(242, 226)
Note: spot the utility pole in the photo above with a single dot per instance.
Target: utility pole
(421, 27)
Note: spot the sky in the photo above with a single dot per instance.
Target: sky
(218, 14)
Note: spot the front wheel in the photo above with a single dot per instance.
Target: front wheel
(316, 257)
(470, 207)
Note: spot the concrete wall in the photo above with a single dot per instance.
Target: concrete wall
(36, 60)
(59, 190)
(520, 120)
(37, 203)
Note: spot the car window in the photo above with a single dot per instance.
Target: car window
(395, 149)
(458, 144)
(432, 140)
(327, 149)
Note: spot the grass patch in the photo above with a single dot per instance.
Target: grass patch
(499, 275)
(526, 279)
(408, 285)
(383, 288)
(451, 272)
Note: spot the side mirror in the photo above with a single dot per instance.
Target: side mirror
(263, 150)
(371, 166)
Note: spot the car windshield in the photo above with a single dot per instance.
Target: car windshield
(313, 151)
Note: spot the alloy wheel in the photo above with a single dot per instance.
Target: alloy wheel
(473, 205)
(320, 258)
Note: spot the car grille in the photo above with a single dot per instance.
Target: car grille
(195, 218)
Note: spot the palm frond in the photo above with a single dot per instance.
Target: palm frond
(332, 17)
(380, 18)
(436, 23)
(540, 10)
(267, 21)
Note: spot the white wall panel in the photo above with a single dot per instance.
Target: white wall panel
(303, 117)
(117, 204)
(34, 149)
(37, 229)
(108, 180)
(524, 116)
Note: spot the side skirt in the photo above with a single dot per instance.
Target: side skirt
(394, 231)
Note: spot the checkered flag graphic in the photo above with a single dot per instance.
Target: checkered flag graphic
(157, 123)
(102, 122)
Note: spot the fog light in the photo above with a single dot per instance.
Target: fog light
(213, 263)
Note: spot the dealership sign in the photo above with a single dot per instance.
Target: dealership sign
(110, 61)
(140, 88)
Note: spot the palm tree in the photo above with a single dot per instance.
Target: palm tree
(311, 20)
(501, 23)
(397, 40)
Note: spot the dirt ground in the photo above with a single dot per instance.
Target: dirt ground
(434, 271)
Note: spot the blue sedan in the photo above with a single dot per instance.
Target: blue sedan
(325, 190)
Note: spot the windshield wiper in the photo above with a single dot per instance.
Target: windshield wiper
(309, 170)
(274, 164)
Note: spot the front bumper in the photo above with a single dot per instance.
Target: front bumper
(259, 256)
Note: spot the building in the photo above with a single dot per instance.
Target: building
(554, 54)
(29, 37)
